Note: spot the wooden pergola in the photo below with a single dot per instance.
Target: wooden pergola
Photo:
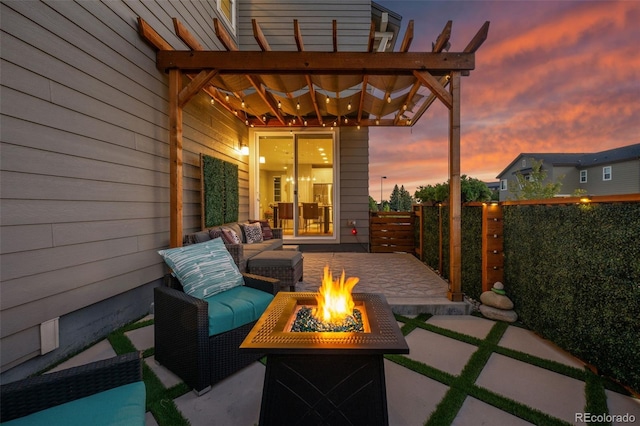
(301, 88)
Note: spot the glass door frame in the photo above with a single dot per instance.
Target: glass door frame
(254, 180)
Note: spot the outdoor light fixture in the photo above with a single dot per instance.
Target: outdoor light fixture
(244, 149)
(279, 105)
(262, 160)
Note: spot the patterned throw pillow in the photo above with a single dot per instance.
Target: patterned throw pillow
(203, 269)
(253, 233)
(267, 232)
(230, 236)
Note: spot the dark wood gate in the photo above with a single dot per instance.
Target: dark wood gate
(392, 232)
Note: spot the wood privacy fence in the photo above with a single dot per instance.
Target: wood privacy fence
(392, 232)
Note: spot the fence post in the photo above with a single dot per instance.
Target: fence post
(492, 245)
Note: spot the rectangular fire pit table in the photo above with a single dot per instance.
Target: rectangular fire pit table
(325, 378)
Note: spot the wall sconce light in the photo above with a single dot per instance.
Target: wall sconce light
(262, 160)
(244, 149)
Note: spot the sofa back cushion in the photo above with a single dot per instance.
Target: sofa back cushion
(203, 269)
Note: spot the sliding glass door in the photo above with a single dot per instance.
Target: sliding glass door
(296, 177)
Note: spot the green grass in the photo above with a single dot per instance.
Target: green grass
(159, 399)
(464, 385)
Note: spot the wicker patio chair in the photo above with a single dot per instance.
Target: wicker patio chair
(25, 397)
(182, 342)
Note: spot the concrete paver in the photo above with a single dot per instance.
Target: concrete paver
(234, 401)
(142, 338)
(99, 351)
(477, 413)
(441, 352)
(463, 324)
(528, 342)
(407, 389)
(552, 393)
(621, 405)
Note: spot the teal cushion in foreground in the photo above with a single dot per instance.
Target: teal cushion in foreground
(121, 406)
(203, 269)
(236, 307)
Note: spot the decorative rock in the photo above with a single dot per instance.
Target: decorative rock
(498, 314)
(494, 300)
(498, 287)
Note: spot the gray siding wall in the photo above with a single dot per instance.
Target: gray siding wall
(354, 184)
(625, 179)
(315, 18)
(84, 166)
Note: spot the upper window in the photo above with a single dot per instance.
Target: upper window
(524, 163)
(503, 185)
(227, 9)
(606, 173)
(583, 176)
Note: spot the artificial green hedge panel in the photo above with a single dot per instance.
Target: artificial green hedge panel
(430, 241)
(220, 191)
(232, 203)
(213, 187)
(472, 251)
(573, 272)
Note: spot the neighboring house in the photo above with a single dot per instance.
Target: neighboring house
(611, 172)
(85, 169)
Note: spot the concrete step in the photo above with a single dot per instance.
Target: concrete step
(427, 305)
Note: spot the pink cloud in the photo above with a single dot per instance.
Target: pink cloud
(551, 77)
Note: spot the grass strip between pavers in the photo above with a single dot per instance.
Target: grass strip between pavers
(464, 384)
(159, 399)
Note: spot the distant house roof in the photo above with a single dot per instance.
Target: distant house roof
(579, 160)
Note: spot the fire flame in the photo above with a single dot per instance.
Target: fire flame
(334, 297)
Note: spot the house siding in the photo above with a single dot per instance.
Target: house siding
(84, 167)
(354, 185)
(315, 18)
(625, 179)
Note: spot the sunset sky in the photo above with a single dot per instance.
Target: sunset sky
(552, 76)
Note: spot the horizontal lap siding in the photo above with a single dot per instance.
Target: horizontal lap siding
(354, 184)
(315, 18)
(84, 167)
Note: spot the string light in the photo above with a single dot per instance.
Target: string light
(305, 122)
(404, 107)
(298, 106)
(279, 105)
(212, 101)
(349, 106)
(346, 120)
(377, 121)
(226, 98)
(358, 127)
(242, 104)
(327, 100)
(389, 99)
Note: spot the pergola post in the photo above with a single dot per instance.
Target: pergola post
(175, 159)
(455, 197)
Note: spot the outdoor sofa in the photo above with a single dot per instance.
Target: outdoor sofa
(244, 248)
(108, 392)
(204, 311)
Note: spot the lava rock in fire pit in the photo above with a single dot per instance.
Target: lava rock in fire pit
(306, 322)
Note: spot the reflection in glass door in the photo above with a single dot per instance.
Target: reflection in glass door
(296, 177)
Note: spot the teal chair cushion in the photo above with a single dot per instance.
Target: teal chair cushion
(203, 269)
(236, 307)
(121, 406)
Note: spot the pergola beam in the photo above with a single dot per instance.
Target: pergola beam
(316, 63)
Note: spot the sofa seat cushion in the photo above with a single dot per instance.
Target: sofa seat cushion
(203, 269)
(236, 307)
(121, 406)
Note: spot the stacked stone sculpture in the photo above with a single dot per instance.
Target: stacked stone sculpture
(496, 305)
